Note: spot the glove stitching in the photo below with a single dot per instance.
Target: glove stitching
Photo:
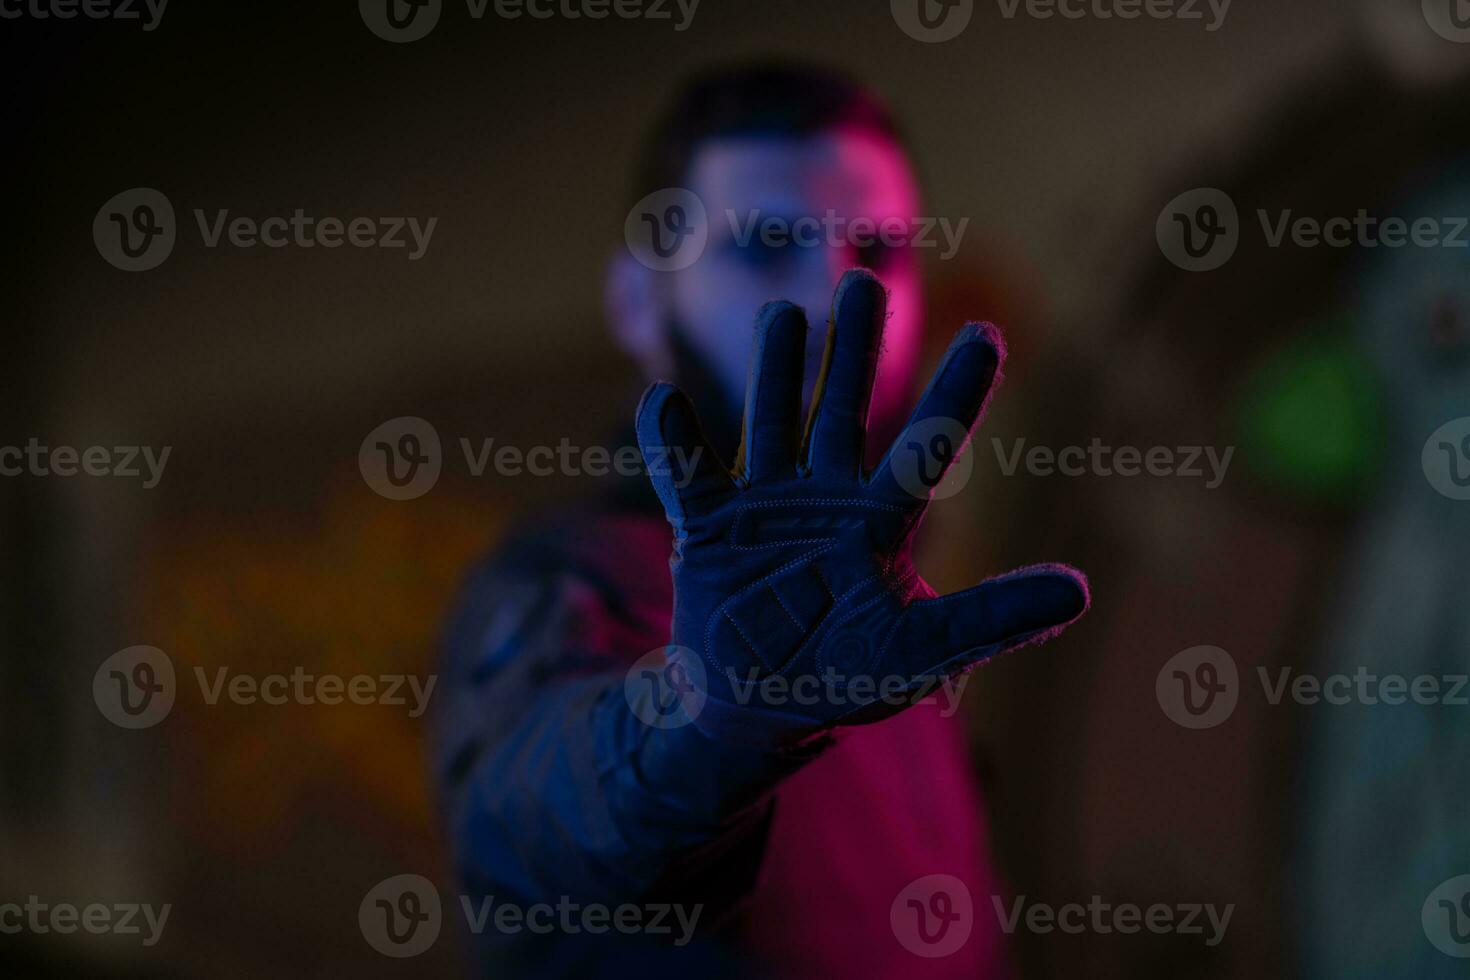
(753, 651)
(831, 596)
(831, 501)
(785, 608)
(715, 616)
(826, 628)
(851, 614)
(821, 631)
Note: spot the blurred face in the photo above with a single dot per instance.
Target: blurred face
(829, 180)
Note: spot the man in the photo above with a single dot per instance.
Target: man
(801, 831)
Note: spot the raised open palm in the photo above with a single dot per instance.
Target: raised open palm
(796, 605)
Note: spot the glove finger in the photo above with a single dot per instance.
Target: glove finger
(772, 433)
(947, 413)
(845, 386)
(948, 634)
(684, 470)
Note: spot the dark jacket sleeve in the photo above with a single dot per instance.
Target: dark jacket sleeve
(552, 787)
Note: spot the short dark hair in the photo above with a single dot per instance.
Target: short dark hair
(762, 99)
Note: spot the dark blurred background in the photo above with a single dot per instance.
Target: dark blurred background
(262, 548)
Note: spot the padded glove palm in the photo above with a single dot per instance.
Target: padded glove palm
(796, 605)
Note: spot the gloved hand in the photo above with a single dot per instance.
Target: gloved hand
(796, 605)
